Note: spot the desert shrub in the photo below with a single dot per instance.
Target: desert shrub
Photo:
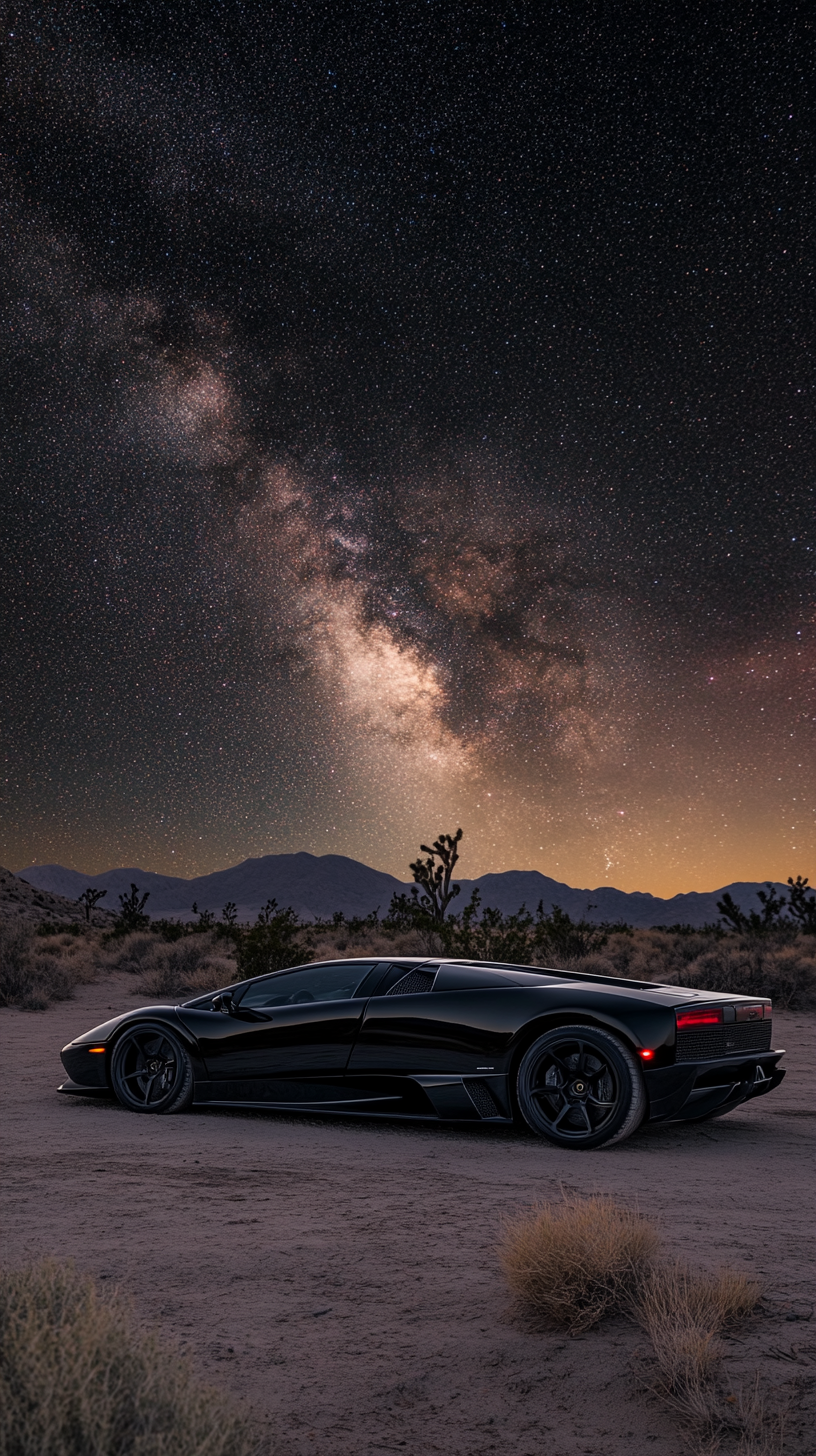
(196, 963)
(655, 955)
(132, 952)
(79, 1378)
(683, 1313)
(556, 939)
(327, 942)
(770, 965)
(485, 934)
(32, 976)
(572, 1263)
(170, 929)
(167, 980)
(750, 966)
(15, 964)
(275, 941)
(673, 1295)
(592, 965)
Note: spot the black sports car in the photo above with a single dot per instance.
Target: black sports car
(582, 1059)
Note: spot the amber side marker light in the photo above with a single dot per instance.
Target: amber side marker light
(97, 1049)
(699, 1018)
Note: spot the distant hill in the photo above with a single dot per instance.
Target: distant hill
(24, 903)
(317, 885)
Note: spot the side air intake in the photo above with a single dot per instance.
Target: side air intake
(414, 982)
(480, 1096)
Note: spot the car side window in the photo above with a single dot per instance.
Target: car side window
(333, 982)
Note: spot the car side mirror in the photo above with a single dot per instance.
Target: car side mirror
(224, 1003)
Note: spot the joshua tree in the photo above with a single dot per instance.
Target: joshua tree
(435, 879)
(131, 915)
(802, 906)
(229, 914)
(89, 898)
(206, 919)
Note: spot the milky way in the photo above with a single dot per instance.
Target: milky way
(407, 426)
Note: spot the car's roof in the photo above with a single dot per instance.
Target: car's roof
(548, 972)
(512, 975)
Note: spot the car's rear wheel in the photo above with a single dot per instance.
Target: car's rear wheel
(580, 1087)
(151, 1071)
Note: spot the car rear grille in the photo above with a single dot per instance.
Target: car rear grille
(412, 983)
(703, 1043)
(479, 1094)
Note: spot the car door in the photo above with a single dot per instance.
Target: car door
(433, 1019)
(289, 1037)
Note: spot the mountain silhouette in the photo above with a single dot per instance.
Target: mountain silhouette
(317, 885)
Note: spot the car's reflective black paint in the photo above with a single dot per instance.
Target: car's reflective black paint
(430, 1040)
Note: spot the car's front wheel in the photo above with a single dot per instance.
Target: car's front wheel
(580, 1087)
(151, 1071)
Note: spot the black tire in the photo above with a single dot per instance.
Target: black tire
(580, 1087)
(151, 1071)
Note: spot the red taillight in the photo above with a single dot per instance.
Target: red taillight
(698, 1018)
(647, 1056)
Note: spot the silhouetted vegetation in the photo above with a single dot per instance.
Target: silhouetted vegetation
(434, 879)
(801, 904)
(276, 940)
(131, 914)
(770, 952)
(487, 935)
(778, 916)
(89, 899)
(206, 919)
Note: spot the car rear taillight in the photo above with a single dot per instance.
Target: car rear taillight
(699, 1018)
(750, 1013)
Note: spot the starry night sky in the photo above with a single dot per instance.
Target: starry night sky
(406, 424)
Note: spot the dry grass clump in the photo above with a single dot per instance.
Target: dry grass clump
(762, 1422)
(683, 1313)
(717, 1301)
(576, 1261)
(78, 1378)
(573, 1262)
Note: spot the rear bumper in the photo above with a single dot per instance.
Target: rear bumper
(693, 1090)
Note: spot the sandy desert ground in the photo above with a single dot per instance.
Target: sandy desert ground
(341, 1278)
